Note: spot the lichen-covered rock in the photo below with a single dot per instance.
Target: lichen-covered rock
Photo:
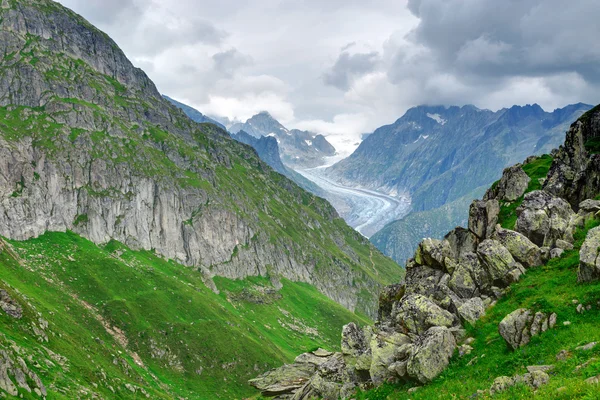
(588, 210)
(432, 252)
(431, 354)
(469, 278)
(518, 327)
(544, 218)
(356, 350)
(520, 247)
(499, 263)
(533, 379)
(416, 314)
(589, 257)
(472, 310)
(284, 380)
(389, 296)
(388, 350)
(461, 241)
(511, 186)
(483, 217)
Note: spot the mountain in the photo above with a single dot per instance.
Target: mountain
(438, 154)
(299, 149)
(194, 114)
(143, 252)
(504, 308)
(268, 150)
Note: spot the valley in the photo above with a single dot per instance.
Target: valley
(367, 211)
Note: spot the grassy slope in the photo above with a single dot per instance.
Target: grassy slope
(156, 303)
(549, 288)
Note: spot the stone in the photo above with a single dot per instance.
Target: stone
(464, 350)
(563, 244)
(515, 328)
(587, 347)
(432, 354)
(472, 310)
(356, 350)
(544, 218)
(483, 217)
(387, 298)
(543, 368)
(432, 252)
(468, 277)
(416, 314)
(520, 247)
(533, 379)
(389, 351)
(511, 186)
(284, 380)
(589, 257)
(499, 263)
(10, 306)
(594, 380)
(556, 253)
(563, 355)
(461, 241)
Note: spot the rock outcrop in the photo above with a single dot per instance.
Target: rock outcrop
(575, 172)
(512, 185)
(518, 327)
(533, 379)
(10, 306)
(589, 257)
(545, 218)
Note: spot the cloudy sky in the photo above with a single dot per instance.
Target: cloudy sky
(344, 67)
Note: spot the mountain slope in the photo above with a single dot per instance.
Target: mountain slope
(194, 114)
(109, 158)
(438, 154)
(299, 149)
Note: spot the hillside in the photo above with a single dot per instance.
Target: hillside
(194, 114)
(142, 252)
(507, 308)
(109, 158)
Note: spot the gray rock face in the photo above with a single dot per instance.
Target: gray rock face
(518, 327)
(589, 257)
(472, 310)
(483, 217)
(544, 218)
(511, 186)
(417, 314)
(520, 247)
(575, 172)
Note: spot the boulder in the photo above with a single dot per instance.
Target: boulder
(483, 217)
(432, 252)
(588, 210)
(471, 310)
(356, 350)
(9, 305)
(518, 327)
(390, 352)
(511, 186)
(544, 218)
(387, 298)
(499, 263)
(461, 241)
(469, 277)
(416, 314)
(533, 379)
(284, 380)
(432, 354)
(520, 247)
(589, 257)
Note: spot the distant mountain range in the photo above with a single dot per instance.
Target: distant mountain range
(437, 155)
(299, 149)
(194, 114)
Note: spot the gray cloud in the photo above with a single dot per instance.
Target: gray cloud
(348, 66)
(228, 62)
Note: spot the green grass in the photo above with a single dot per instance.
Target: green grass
(536, 170)
(593, 145)
(230, 337)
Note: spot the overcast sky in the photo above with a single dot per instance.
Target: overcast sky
(344, 67)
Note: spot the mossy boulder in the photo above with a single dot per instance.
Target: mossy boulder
(520, 247)
(417, 314)
(589, 257)
(432, 355)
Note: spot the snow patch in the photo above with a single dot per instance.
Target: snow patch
(308, 142)
(437, 118)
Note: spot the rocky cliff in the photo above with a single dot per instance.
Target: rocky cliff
(88, 144)
(451, 284)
